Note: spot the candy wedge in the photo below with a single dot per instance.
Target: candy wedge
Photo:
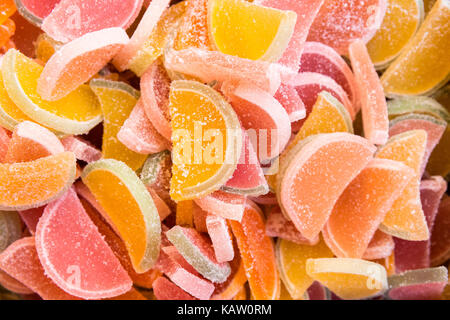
(82, 149)
(364, 205)
(199, 253)
(419, 105)
(113, 95)
(96, 272)
(220, 237)
(46, 47)
(184, 213)
(237, 279)
(371, 95)
(422, 67)
(115, 185)
(11, 228)
(257, 253)
(307, 207)
(248, 30)
(31, 218)
(20, 190)
(224, 204)
(440, 237)
(380, 247)
(339, 23)
(196, 108)
(164, 289)
(422, 284)
(71, 19)
(76, 113)
(405, 219)
(13, 285)
(35, 10)
(288, 97)
(400, 24)
(78, 61)
(349, 278)
(156, 174)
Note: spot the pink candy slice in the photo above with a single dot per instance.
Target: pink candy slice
(221, 238)
(164, 289)
(13, 285)
(288, 97)
(79, 60)
(75, 255)
(37, 8)
(82, 149)
(71, 19)
(380, 247)
(224, 204)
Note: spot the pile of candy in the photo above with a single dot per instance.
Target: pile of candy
(224, 149)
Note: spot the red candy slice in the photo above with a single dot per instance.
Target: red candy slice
(31, 218)
(164, 289)
(288, 97)
(224, 204)
(13, 285)
(440, 237)
(81, 148)
(35, 10)
(221, 238)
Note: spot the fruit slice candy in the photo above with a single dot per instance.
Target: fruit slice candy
(237, 279)
(77, 113)
(220, 237)
(263, 115)
(349, 278)
(363, 206)
(7, 30)
(380, 247)
(35, 10)
(4, 143)
(20, 190)
(420, 105)
(212, 65)
(200, 167)
(371, 95)
(198, 253)
(71, 19)
(288, 97)
(117, 100)
(199, 216)
(400, 24)
(320, 58)
(227, 205)
(13, 285)
(156, 174)
(82, 149)
(155, 86)
(340, 22)
(277, 226)
(423, 65)
(10, 227)
(31, 218)
(405, 219)
(21, 262)
(257, 253)
(291, 259)
(317, 292)
(7, 9)
(46, 47)
(411, 255)
(193, 28)
(248, 30)
(30, 142)
(422, 284)
(138, 133)
(115, 185)
(184, 214)
(306, 171)
(69, 244)
(440, 237)
(248, 178)
(78, 61)
(434, 127)
(164, 289)
(162, 208)
(141, 34)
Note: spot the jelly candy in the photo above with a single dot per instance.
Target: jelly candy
(380, 247)
(71, 19)
(4, 143)
(11, 228)
(227, 205)
(317, 292)
(13, 285)
(162, 207)
(164, 289)
(440, 236)
(220, 237)
(31, 218)
(363, 206)
(35, 10)
(156, 174)
(78, 61)
(7, 9)
(199, 216)
(237, 279)
(63, 225)
(301, 177)
(288, 97)
(422, 67)
(189, 178)
(7, 29)
(249, 30)
(185, 213)
(420, 105)
(82, 149)
(349, 278)
(46, 47)
(114, 185)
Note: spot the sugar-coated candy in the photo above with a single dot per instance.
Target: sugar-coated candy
(221, 238)
(227, 205)
(440, 236)
(164, 289)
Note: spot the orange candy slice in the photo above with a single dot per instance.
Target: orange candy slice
(405, 219)
(363, 206)
(306, 171)
(423, 66)
(257, 253)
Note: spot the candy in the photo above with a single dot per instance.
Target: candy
(155, 86)
(164, 289)
(31, 218)
(13, 285)
(71, 19)
(69, 244)
(317, 292)
(138, 133)
(233, 285)
(248, 30)
(156, 174)
(221, 126)
(371, 95)
(112, 96)
(405, 219)
(114, 185)
(220, 237)
(364, 205)
(199, 216)
(440, 237)
(291, 261)
(400, 24)
(141, 34)
(76, 113)
(35, 10)
(339, 23)
(422, 284)
(419, 104)
(301, 177)
(380, 247)
(82, 149)
(4, 143)
(20, 190)
(10, 227)
(162, 208)
(257, 253)
(184, 214)
(7, 9)
(422, 67)
(349, 278)
(288, 97)
(78, 61)
(227, 205)
(7, 29)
